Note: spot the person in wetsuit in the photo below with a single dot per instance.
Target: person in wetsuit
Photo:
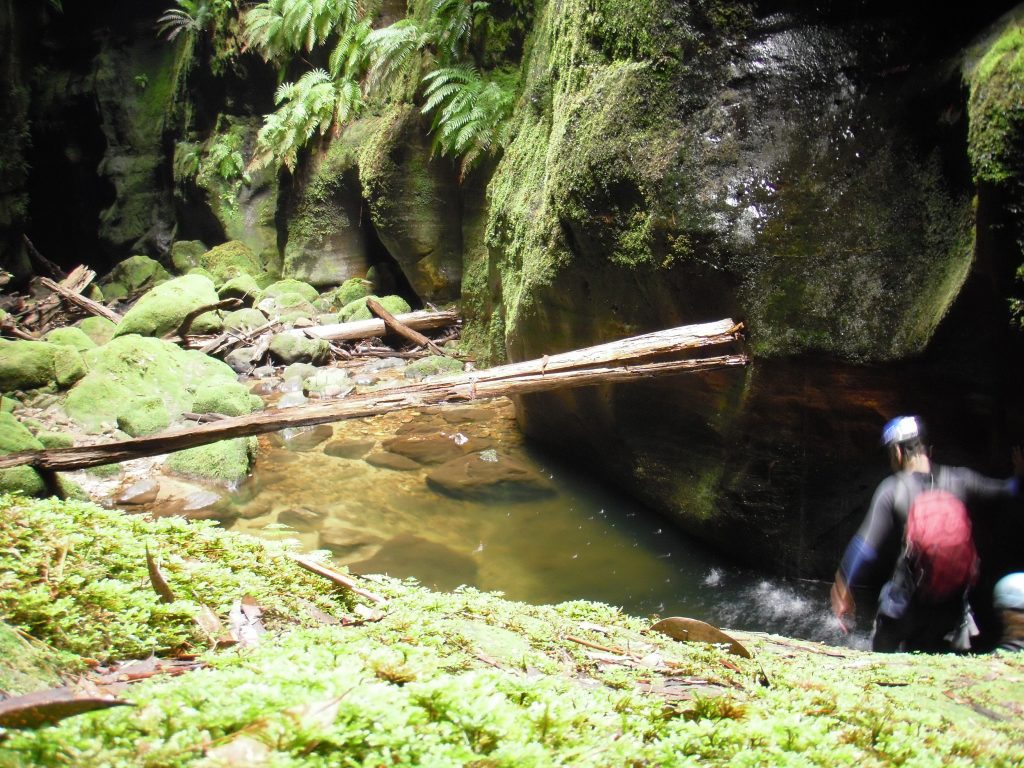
(906, 621)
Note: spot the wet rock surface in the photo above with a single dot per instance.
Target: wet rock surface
(489, 476)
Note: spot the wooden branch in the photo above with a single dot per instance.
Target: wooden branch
(608, 363)
(77, 299)
(365, 329)
(338, 578)
(401, 329)
(51, 269)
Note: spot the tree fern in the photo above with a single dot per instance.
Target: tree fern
(394, 52)
(470, 113)
(190, 16)
(351, 54)
(314, 104)
(453, 23)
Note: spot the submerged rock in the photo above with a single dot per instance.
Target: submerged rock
(387, 460)
(431, 563)
(489, 476)
(349, 449)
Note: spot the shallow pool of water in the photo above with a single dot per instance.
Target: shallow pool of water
(550, 534)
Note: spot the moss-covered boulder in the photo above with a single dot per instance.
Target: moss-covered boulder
(130, 371)
(71, 336)
(133, 276)
(357, 309)
(146, 416)
(185, 254)
(243, 288)
(15, 436)
(227, 461)
(35, 364)
(99, 329)
(433, 365)
(294, 347)
(244, 319)
(230, 398)
(162, 310)
(230, 260)
(287, 307)
(290, 286)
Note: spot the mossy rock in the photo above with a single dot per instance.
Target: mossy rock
(292, 347)
(435, 365)
(230, 260)
(288, 307)
(244, 320)
(208, 322)
(99, 329)
(71, 336)
(162, 310)
(185, 254)
(14, 437)
(27, 667)
(243, 288)
(146, 416)
(351, 290)
(132, 276)
(132, 368)
(55, 439)
(35, 364)
(287, 286)
(227, 461)
(357, 310)
(230, 398)
(7, 404)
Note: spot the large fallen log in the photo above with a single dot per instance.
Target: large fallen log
(620, 361)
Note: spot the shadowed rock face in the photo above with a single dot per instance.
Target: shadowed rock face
(808, 176)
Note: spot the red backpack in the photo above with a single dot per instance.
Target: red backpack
(939, 545)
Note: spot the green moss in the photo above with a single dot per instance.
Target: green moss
(143, 416)
(133, 367)
(185, 254)
(93, 605)
(290, 348)
(227, 461)
(288, 286)
(55, 439)
(438, 680)
(228, 398)
(243, 287)
(99, 329)
(71, 336)
(68, 366)
(996, 109)
(433, 365)
(229, 260)
(244, 320)
(357, 310)
(25, 365)
(133, 276)
(162, 310)
(15, 436)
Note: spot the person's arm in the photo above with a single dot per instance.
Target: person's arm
(862, 551)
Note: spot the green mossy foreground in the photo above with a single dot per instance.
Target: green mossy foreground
(458, 679)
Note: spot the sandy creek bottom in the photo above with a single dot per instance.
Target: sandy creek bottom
(580, 540)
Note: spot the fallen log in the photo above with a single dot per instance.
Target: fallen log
(619, 361)
(399, 328)
(365, 329)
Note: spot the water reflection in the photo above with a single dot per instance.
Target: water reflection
(524, 525)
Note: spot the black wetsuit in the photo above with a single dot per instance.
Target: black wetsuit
(905, 621)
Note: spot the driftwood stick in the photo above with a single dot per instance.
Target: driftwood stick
(608, 363)
(81, 301)
(401, 329)
(51, 269)
(338, 578)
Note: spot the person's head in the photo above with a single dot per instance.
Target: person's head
(1008, 600)
(903, 437)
